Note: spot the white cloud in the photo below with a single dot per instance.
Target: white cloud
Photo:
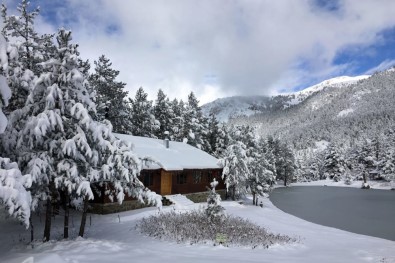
(386, 64)
(252, 47)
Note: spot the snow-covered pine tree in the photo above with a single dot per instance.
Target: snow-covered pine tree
(261, 177)
(223, 140)
(212, 133)
(63, 148)
(316, 166)
(143, 121)
(177, 120)
(214, 210)
(164, 114)
(347, 176)
(284, 160)
(13, 194)
(110, 96)
(334, 163)
(235, 163)
(388, 166)
(288, 165)
(26, 51)
(194, 124)
(270, 158)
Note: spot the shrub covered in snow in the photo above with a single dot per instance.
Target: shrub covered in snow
(194, 227)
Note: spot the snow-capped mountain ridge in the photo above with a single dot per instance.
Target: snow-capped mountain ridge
(345, 112)
(237, 106)
(341, 81)
(338, 82)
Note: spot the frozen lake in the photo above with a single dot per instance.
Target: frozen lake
(368, 212)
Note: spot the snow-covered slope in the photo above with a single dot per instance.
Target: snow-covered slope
(232, 107)
(343, 110)
(338, 82)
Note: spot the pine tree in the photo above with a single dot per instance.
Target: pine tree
(284, 160)
(214, 210)
(164, 114)
(236, 170)
(212, 133)
(26, 51)
(288, 165)
(195, 125)
(388, 166)
(110, 96)
(62, 147)
(261, 177)
(334, 164)
(143, 121)
(177, 109)
(13, 194)
(223, 140)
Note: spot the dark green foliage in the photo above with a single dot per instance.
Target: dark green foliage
(110, 96)
(143, 121)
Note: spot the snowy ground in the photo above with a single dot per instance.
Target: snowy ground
(375, 184)
(109, 240)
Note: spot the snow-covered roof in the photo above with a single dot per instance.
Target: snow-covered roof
(177, 157)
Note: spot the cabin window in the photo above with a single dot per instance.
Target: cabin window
(197, 177)
(149, 179)
(181, 178)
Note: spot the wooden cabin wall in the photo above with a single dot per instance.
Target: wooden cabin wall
(186, 181)
(186, 186)
(155, 182)
(101, 198)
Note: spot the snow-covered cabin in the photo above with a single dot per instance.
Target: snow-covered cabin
(180, 168)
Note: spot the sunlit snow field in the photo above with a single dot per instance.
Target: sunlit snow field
(113, 238)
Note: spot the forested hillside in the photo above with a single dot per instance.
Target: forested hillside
(343, 116)
(355, 119)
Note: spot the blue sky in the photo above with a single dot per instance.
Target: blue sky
(219, 48)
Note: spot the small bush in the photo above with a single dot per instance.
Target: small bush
(194, 227)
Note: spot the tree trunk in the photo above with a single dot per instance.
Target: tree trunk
(31, 228)
(83, 219)
(364, 176)
(48, 214)
(253, 199)
(66, 216)
(285, 180)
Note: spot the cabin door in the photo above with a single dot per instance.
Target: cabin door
(165, 183)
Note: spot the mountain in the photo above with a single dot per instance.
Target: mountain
(344, 110)
(241, 106)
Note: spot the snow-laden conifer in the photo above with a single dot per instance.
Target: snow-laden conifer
(235, 173)
(261, 178)
(143, 120)
(110, 96)
(163, 113)
(178, 121)
(195, 124)
(214, 210)
(334, 163)
(13, 194)
(64, 149)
